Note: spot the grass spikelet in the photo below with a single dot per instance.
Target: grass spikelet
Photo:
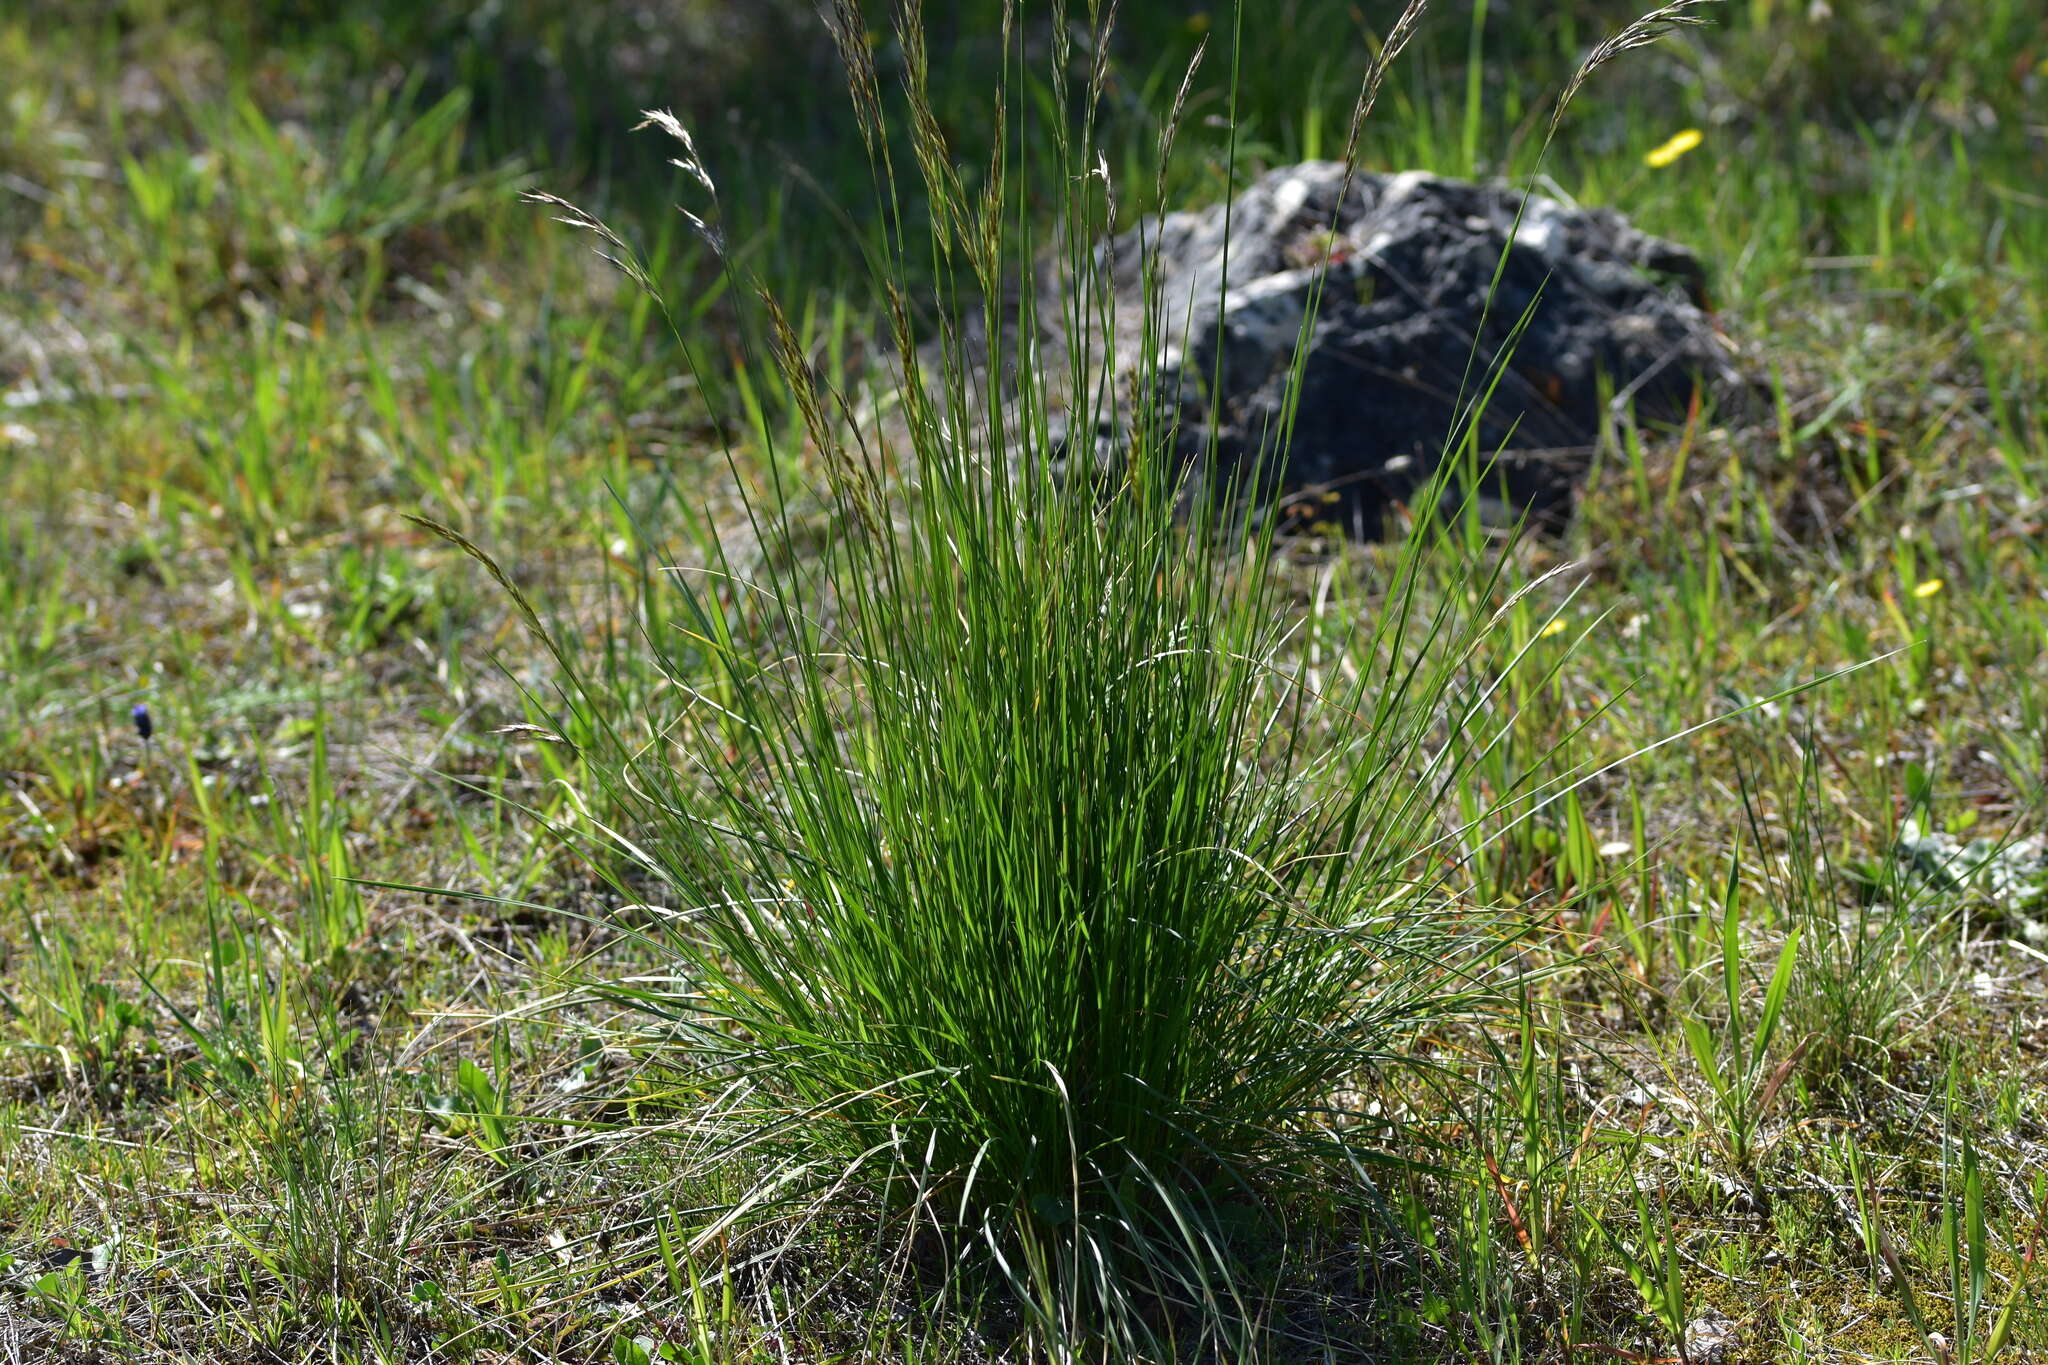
(1658, 24)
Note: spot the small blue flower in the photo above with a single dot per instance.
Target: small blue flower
(144, 725)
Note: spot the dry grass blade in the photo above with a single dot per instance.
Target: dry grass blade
(504, 580)
(690, 163)
(849, 35)
(1657, 24)
(928, 139)
(1171, 128)
(853, 481)
(1098, 73)
(614, 249)
(1368, 94)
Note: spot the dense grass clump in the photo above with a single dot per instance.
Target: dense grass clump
(1015, 894)
(1019, 870)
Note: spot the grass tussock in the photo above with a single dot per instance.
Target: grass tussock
(1027, 891)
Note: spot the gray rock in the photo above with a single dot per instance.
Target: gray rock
(1712, 1338)
(1409, 327)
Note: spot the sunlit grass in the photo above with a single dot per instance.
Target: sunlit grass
(253, 1110)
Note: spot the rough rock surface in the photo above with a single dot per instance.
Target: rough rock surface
(1406, 335)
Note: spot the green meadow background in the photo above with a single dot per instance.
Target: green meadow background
(1669, 980)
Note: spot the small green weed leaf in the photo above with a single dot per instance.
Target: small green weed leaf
(1701, 1042)
(486, 1103)
(1774, 996)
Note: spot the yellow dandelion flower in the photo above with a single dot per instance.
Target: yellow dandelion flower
(1556, 627)
(1929, 588)
(1678, 146)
